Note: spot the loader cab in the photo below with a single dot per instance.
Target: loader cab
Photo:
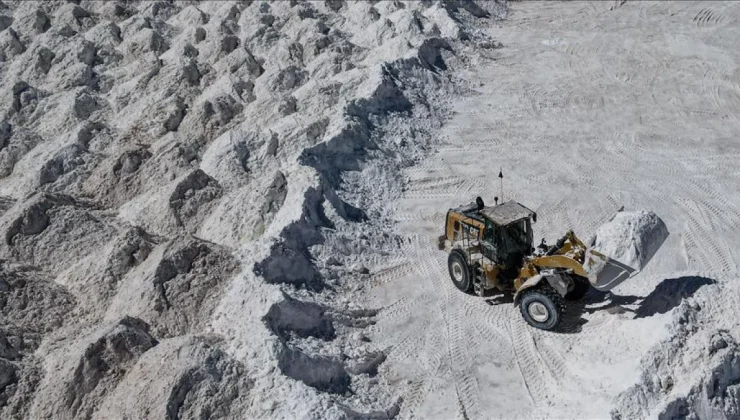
(507, 237)
(504, 231)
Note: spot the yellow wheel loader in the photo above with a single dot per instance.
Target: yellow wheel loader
(491, 248)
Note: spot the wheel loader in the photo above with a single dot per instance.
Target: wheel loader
(491, 248)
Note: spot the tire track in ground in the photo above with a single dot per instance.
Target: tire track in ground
(709, 215)
(650, 163)
(397, 309)
(401, 307)
(553, 360)
(527, 360)
(468, 189)
(713, 216)
(705, 191)
(456, 353)
(493, 333)
(411, 345)
(717, 219)
(419, 345)
(391, 273)
(443, 188)
(717, 256)
(430, 272)
(496, 316)
(436, 361)
(575, 102)
(708, 17)
(416, 217)
(711, 256)
(413, 399)
(430, 183)
(730, 98)
(466, 384)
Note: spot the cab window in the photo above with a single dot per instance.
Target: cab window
(489, 235)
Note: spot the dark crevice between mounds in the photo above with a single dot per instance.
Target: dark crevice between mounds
(290, 261)
(107, 356)
(23, 95)
(429, 58)
(275, 194)
(344, 152)
(168, 269)
(214, 377)
(195, 190)
(64, 161)
(453, 7)
(7, 350)
(6, 132)
(130, 161)
(430, 54)
(180, 391)
(345, 210)
(294, 318)
(190, 271)
(8, 378)
(387, 98)
(34, 219)
(304, 319)
(321, 373)
(368, 364)
(242, 155)
(348, 150)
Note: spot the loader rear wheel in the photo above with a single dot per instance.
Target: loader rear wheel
(542, 307)
(460, 272)
(580, 288)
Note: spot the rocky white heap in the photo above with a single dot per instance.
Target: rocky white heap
(167, 169)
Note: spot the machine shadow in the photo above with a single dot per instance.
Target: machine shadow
(498, 298)
(669, 294)
(666, 296)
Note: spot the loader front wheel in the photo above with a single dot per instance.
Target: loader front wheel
(580, 288)
(460, 272)
(542, 307)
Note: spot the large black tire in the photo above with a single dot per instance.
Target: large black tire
(460, 273)
(542, 307)
(581, 287)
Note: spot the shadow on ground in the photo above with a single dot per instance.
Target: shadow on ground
(666, 296)
(499, 298)
(669, 294)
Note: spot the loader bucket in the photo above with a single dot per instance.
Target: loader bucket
(605, 273)
(626, 244)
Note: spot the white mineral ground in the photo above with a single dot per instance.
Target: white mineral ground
(228, 209)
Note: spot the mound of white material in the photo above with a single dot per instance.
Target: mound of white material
(151, 151)
(695, 372)
(631, 238)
